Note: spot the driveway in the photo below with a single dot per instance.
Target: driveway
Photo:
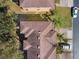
(65, 3)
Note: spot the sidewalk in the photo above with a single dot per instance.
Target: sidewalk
(65, 3)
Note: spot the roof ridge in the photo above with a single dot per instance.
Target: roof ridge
(29, 33)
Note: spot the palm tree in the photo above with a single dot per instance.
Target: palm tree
(61, 42)
(62, 39)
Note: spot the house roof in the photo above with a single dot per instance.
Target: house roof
(37, 3)
(36, 25)
(50, 33)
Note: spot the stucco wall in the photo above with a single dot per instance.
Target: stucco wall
(36, 10)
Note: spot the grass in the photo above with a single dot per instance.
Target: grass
(65, 12)
(60, 11)
(13, 7)
(32, 17)
(57, 1)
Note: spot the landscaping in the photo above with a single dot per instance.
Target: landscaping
(57, 1)
(13, 7)
(9, 42)
(61, 17)
(64, 12)
(32, 17)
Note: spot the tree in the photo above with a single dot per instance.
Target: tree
(9, 45)
(61, 39)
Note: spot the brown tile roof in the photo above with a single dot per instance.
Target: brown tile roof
(36, 25)
(50, 33)
(37, 3)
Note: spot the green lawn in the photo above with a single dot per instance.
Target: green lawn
(57, 1)
(65, 12)
(14, 7)
(32, 17)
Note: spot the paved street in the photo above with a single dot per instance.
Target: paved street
(76, 38)
(76, 3)
(76, 33)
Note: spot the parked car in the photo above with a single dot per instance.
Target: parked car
(74, 12)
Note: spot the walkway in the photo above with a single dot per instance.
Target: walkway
(65, 3)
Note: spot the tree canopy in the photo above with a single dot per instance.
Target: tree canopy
(9, 45)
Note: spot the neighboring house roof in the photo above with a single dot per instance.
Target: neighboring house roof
(50, 33)
(51, 37)
(36, 25)
(31, 17)
(26, 45)
(37, 3)
(46, 49)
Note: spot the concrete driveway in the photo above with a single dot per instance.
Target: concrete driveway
(65, 3)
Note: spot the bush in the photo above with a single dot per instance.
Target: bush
(9, 45)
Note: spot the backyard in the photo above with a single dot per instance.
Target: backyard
(57, 1)
(63, 11)
(32, 17)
